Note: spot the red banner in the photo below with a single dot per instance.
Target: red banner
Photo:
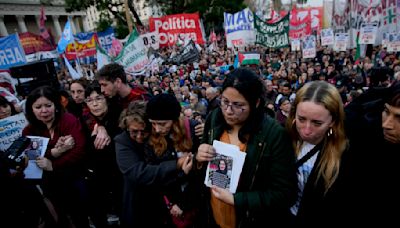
(33, 43)
(81, 49)
(299, 28)
(171, 27)
(316, 14)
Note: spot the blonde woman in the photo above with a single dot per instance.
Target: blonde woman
(316, 123)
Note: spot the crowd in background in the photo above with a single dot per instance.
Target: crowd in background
(134, 149)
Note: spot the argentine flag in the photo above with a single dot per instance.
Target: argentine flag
(66, 38)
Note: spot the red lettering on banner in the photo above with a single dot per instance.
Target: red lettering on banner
(238, 43)
(170, 27)
(81, 49)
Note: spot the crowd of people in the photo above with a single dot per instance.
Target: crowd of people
(321, 137)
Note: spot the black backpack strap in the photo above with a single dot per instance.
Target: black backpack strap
(309, 155)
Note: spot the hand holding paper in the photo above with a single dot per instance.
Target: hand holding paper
(206, 152)
(225, 168)
(223, 195)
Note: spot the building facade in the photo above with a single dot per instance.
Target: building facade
(145, 10)
(17, 16)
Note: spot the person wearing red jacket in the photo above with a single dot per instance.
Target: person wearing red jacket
(63, 163)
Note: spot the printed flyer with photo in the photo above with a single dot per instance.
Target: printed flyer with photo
(225, 169)
(37, 148)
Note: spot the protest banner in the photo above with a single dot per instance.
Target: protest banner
(171, 27)
(239, 28)
(134, 54)
(11, 52)
(273, 35)
(11, 129)
(327, 37)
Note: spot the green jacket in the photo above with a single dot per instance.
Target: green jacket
(268, 183)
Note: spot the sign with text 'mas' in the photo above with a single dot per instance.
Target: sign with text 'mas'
(172, 27)
(11, 52)
(239, 28)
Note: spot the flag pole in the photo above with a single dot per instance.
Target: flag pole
(128, 16)
(77, 61)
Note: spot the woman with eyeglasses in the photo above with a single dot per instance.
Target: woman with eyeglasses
(129, 149)
(104, 178)
(267, 185)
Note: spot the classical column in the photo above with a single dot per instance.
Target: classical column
(73, 28)
(21, 23)
(57, 25)
(85, 24)
(77, 24)
(37, 19)
(3, 29)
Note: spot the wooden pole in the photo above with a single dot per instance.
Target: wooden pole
(128, 16)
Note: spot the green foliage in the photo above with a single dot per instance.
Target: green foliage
(77, 5)
(103, 23)
(121, 31)
(106, 9)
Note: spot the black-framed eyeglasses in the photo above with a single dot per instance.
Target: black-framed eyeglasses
(97, 99)
(137, 132)
(236, 107)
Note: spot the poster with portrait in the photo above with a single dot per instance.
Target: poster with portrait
(220, 171)
(225, 169)
(37, 148)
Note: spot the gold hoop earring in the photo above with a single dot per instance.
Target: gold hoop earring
(330, 132)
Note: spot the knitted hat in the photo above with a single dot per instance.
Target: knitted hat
(163, 107)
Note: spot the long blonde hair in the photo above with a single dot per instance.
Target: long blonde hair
(178, 135)
(335, 141)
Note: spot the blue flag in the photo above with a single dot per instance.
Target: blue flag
(66, 38)
(236, 62)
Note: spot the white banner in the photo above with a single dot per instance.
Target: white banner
(341, 41)
(394, 42)
(368, 33)
(239, 28)
(309, 47)
(134, 54)
(327, 37)
(295, 45)
(385, 39)
(11, 129)
(151, 39)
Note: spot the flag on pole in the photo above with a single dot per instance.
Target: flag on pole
(74, 74)
(236, 62)
(66, 38)
(42, 27)
(249, 58)
(358, 50)
(102, 57)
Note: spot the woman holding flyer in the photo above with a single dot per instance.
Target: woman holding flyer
(267, 184)
(63, 181)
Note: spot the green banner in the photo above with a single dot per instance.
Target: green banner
(273, 35)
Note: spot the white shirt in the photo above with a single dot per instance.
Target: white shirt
(303, 173)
